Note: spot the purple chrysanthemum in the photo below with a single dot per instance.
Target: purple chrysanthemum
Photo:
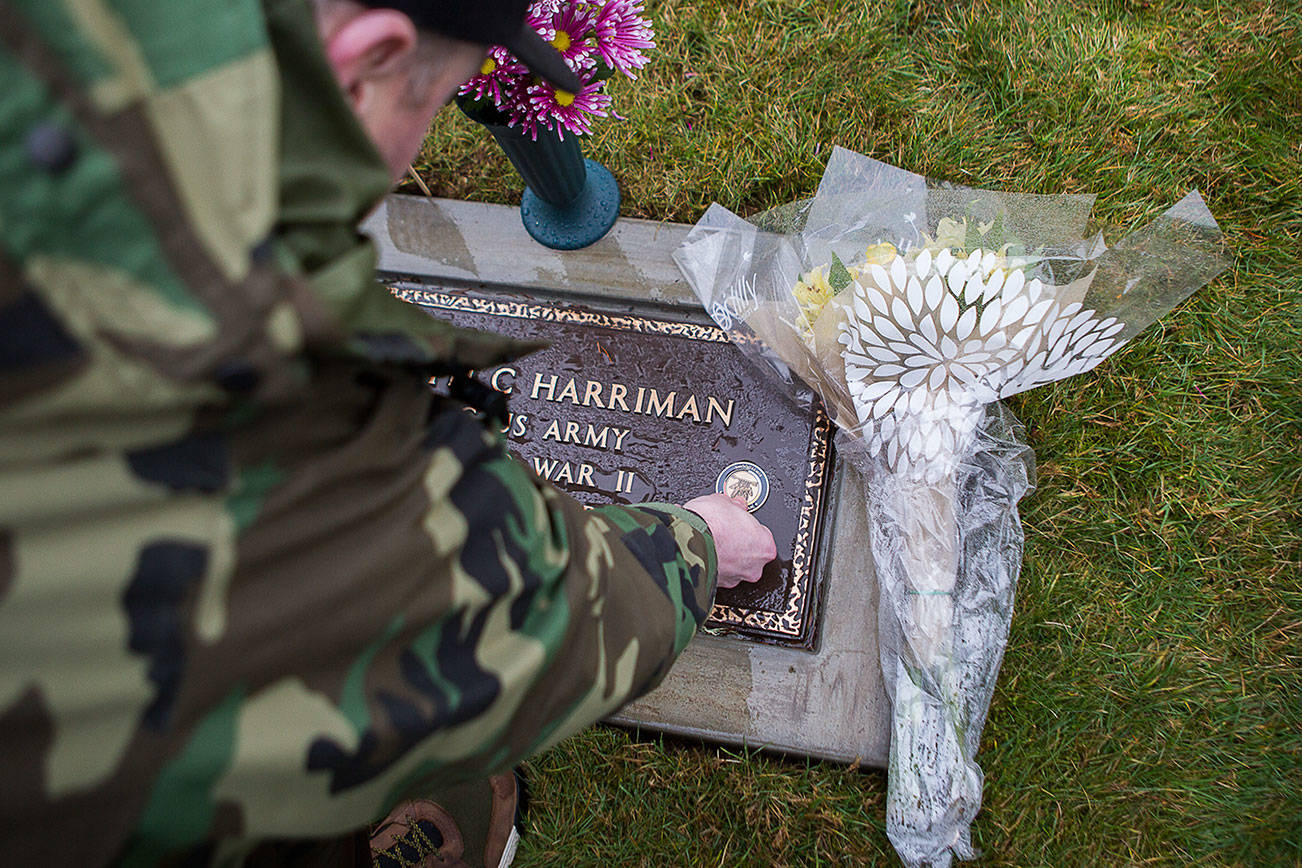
(569, 29)
(564, 112)
(498, 79)
(590, 35)
(622, 35)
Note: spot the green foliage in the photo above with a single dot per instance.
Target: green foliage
(1148, 709)
(838, 276)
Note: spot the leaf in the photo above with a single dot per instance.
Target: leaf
(838, 276)
(922, 265)
(882, 354)
(995, 234)
(898, 276)
(935, 291)
(1014, 310)
(1037, 312)
(993, 285)
(990, 317)
(944, 259)
(873, 391)
(876, 298)
(948, 313)
(914, 295)
(1013, 285)
(965, 323)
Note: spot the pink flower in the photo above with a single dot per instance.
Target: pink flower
(564, 112)
(569, 29)
(499, 77)
(622, 35)
(595, 38)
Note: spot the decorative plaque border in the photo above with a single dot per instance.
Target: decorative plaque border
(791, 622)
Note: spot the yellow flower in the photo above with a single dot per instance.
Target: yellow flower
(877, 254)
(880, 254)
(950, 235)
(812, 292)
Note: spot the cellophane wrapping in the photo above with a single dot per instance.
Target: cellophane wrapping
(911, 307)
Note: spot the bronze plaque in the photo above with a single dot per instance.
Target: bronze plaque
(632, 407)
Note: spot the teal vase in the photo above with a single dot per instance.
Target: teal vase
(569, 201)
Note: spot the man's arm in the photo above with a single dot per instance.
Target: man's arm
(465, 615)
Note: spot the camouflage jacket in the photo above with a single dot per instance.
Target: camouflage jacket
(256, 580)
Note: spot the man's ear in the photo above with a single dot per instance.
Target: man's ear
(369, 47)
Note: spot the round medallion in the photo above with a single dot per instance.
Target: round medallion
(745, 480)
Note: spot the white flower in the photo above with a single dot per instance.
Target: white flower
(931, 339)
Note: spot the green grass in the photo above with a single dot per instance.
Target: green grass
(1149, 711)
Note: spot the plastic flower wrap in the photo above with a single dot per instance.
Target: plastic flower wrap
(911, 308)
(597, 39)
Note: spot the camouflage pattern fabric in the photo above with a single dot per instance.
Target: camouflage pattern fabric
(256, 580)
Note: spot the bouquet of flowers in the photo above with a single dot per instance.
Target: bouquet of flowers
(912, 307)
(597, 38)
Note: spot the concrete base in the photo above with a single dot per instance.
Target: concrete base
(827, 703)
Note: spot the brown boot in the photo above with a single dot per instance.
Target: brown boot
(424, 833)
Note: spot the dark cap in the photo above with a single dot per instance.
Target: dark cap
(490, 22)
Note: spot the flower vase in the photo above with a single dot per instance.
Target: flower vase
(569, 201)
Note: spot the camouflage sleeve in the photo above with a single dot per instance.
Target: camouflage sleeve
(478, 619)
(567, 612)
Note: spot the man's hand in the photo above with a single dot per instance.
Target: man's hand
(742, 544)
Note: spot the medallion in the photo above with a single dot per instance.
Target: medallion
(744, 481)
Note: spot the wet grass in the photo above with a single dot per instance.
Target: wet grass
(1149, 711)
